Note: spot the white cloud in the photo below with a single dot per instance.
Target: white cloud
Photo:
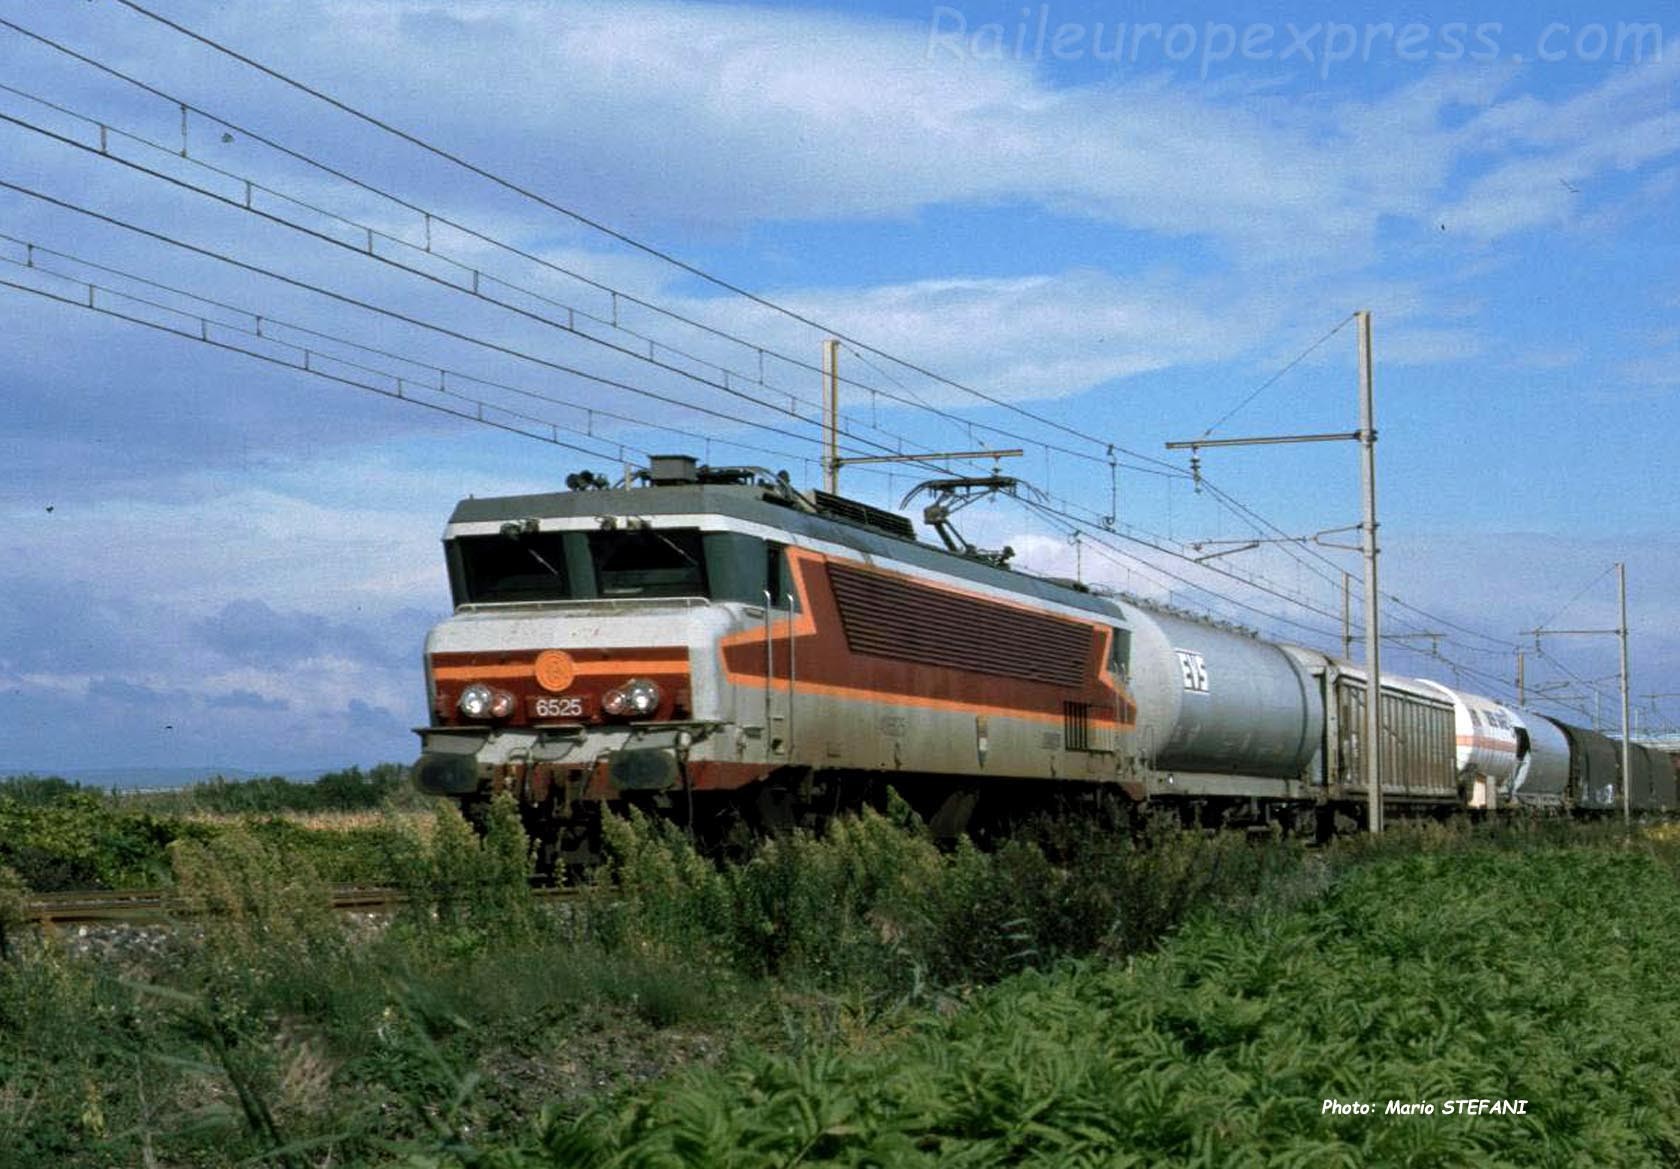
(197, 552)
(1030, 337)
(1658, 372)
(1546, 159)
(732, 114)
(1548, 359)
(1284, 210)
(1430, 346)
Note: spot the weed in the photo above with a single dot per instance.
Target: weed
(14, 908)
(892, 1002)
(1523, 972)
(464, 891)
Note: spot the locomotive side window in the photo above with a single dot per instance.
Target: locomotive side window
(744, 568)
(528, 567)
(778, 576)
(649, 563)
(1120, 654)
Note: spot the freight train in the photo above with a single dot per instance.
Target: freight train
(739, 655)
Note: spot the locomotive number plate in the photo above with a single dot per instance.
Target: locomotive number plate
(548, 709)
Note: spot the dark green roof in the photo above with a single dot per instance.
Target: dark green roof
(758, 505)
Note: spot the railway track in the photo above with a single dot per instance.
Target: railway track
(143, 905)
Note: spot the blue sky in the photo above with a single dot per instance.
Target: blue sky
(209, 560)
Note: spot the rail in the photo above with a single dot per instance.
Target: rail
(138, 905)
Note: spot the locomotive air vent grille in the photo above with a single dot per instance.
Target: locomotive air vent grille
(889, 617)
(1076, 726)
(841, 508)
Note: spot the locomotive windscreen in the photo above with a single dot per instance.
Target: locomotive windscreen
(522, 566)
(528, 567)
(648, 563)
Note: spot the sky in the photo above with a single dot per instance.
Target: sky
(1081, 229)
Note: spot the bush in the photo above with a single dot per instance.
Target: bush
(350, 790)
(372, 854)
(38, 791)
(464, 891)
(14, 909)
(267, 917)
(1520, 973)
(78, 841)
(874, 905)
(60, 835)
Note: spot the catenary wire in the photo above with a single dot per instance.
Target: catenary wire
(474, 291)
(1565, 607)
(446, 374)
(442, 330)
(1245, 580)
(475, 277)
(1095, 535)
(370, 234)
(1278, 376)
(683, 265)
(610, 232)
(204, 337)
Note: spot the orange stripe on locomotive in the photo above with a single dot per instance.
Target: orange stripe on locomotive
(595, 671)
(890, 637)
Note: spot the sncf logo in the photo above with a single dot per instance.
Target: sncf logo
(1194, 669)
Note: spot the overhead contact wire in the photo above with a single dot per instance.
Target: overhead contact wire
(610, 232)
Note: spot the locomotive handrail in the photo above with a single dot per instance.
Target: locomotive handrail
(793, 675)
(769, 672)
(585, 603)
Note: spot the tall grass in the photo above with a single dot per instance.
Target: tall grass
(874, 903)
(1530, 973)
(840, 966)
(348, 790)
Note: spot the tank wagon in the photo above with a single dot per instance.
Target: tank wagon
(734, 653)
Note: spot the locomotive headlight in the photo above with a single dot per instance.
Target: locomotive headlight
(476, 700)
(637, 698)
(502, 704)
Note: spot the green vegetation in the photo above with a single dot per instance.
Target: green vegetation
(351, 790)
(55, 834)
(274, 1029)
(81, 840)
(1544, 976)
(39, 791)
(875, 906)
(867, 998)
(237, 1034)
